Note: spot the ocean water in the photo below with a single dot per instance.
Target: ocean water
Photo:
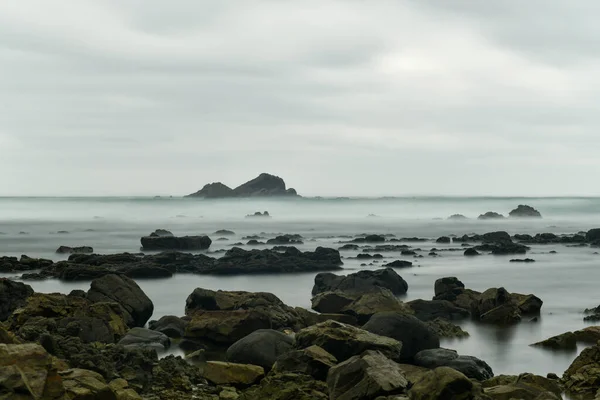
(567, 282)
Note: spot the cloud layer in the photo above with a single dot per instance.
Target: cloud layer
(129, 97)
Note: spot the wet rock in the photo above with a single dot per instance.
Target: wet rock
(349, 246)
(331, 302)
(471, 252)
(124, 291)
(366, 377)
(593, 235)
(496, 306)
(522, 260)
(373, 302)
(457, 217)
(261, 347)
(443, 239)
(528, 304)
(224, 232)
(173, 378)
(370, 239)
(170, 325)
(565, 341)
(399, 264)
(223, 373)
(524, 211)
(162, 233)
(13, 295)
(287, 386)
(472, 367)
(361, 281)
(74, 250)
(490, 215)
(313, 361)
(285, 240)
(428, 310)
(176, 243)
(145, 338)
(13, 264)
(259, 214)
(84, 384)
(345, 341)
(525, 386)
(445, 329)
(414, 335)
(442, 383)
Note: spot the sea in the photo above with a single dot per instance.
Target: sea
(568, 281)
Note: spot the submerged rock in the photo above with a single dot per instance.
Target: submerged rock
(176, 243)
(74, 250)
(491, 215)
(524, 211)
(361, 281)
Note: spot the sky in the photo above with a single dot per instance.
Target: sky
(353, 98)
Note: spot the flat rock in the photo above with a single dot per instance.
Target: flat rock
(224, 373)
(176, 243)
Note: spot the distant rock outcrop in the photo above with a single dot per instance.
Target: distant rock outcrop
(265, 185)
(524, 211)
(491, 215)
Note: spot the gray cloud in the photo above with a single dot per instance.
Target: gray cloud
(338, 97)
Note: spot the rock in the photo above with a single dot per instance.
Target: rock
(528, 304)
(162, 233)
(472, 367)
(361, 281)
(238, 261)
(262, 347)
(448, 284)
(215, 190)
(81, 384)
(224, 232)
(122, 390)
(440, 384)
(265, 185)
(331, 302)
(173, 378)
(172, 326)
(524, 211)
(13, 295)
(471, 252)
(457, 217)
(496, 237)
(593, 235)
(176, 243)
(443, 239)
(496, 306)
(399, 264)
(525, 386)
(522, 260)
(259, 214)
(565, 341)
(223, 373)
(74, 250)
(446, 329)
(145, 338)
(124, 291)
(349, 246)
(27, 371)
(366, 377)
(376, 301)
(370, 239)
(428, 310)
(226, 327)
(491, 215)
(313, 361)
(284, 239)
(345, 341)
(287, 387)
(414, 335)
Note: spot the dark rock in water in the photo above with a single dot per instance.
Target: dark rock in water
(522, 260)
(176, 243)
(565, 341)
(74, 250)
(366, 304)
(491, 215)
(348, 247)
(145, 338)
(253, 237)
(524, 211)
(125, 292)
(222, 239)
(63, 232)
(503, 248)
(224, 232)
(361, 281)
(471, 252)
(12, 264)
(496, 237)
(170, 325)
(528, 304)
(259, 214)
(496, 306)
(284, 239)
(457, 217)
(448, 284)
(161, 233)
(446, 329)
(370, 239)
(313, 361)
(364, 256)
(239, 261)
(262, 347)
(595, 314)
(428, 310)
(263, 186)
(444, 239)
(345, 341)
(523, 237)
(593, 235)
(472, 367)
(215, 190)
(399, 264)
(13, 295)
(414, 335)
(254, 242)
(331, 302)
(366, 376)
(408, 253)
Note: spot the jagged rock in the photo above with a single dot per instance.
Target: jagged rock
(583, 375)
(528, 304)
(524, 211)
(170, 325)
(176, 243)
(261, 347)
(313, 361)
(13, 264)
(457, 217)
(124, 291)
(82, 384)
(362, 281)
(214, 190)
(264, 185)
(13, 295)
(223, 373)
(74, 250)
(367, 304)
(496, 306)
(491, 215)
(284, 240)
(366, 376)
(525, 386)
(472, 367)
(593, 235)
(287, 387)
(443, 239)
(471, 252)
(344, 341)
(414, 335)
(446, 285)
(399, 264)
(446, 329)
(331, 302)
(428, 310)
(440, 384)
(145, 338)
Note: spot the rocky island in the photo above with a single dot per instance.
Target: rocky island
(264, 185)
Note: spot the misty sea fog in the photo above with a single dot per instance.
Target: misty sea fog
(566, 281)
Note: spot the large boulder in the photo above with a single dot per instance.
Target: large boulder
(345, 341)
(331, 302)
(496, 305)
(12, 296)
(175, 243)
(170, 325)
(313, 361)
(490, 215)
(429, 310)
(593, 235)
(376, 301)
(145, 338)
(525, 386)
(83, 384)
(261, 347)
(362, 281)
(440, 384)
(496, 237)
(582, 378)
(223, 373)
(215, 190)
(528, 304)
(414, 335)
(447, 285)
(472, 367)
(525, 211)
(225, 327)
(263, 185)
(367, 377)
(124, 291)
(287, 386)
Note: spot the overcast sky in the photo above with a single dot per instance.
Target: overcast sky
(146, 97)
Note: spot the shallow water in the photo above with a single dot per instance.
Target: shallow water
(566, 281)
